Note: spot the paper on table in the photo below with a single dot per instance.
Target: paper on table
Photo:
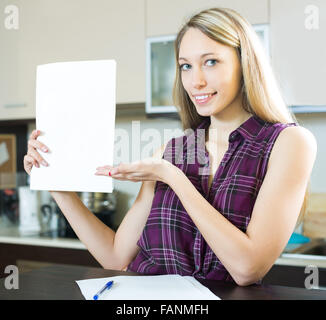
(160, 287)
(75, 108)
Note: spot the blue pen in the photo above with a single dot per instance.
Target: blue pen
(106, 287)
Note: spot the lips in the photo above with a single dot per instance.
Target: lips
(204, 97)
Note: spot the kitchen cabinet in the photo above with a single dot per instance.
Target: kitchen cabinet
(55, 31)
(158, 12)
(298, 50)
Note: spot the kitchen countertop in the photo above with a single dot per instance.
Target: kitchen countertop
(12, 234)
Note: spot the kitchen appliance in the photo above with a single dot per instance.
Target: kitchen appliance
(103, 206)
(9, 206)
(49, 217)
(99, 202)
(28, 210)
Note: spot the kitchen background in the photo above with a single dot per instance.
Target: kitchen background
(53, 31)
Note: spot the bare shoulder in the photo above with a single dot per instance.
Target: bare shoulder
(297, 135)
(293, 144)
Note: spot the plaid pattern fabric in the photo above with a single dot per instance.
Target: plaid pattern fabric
(170, 242)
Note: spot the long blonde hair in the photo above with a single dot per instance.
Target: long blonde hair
(261, 95)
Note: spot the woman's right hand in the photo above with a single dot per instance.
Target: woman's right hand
(33, 157)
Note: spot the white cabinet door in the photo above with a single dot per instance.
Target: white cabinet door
(53, 31)
(298, 50)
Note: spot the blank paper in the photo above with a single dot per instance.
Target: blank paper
(158, 287)
(75, 111)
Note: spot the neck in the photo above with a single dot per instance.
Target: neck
(227, 121)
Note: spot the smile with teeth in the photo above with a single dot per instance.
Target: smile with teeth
(204, 98)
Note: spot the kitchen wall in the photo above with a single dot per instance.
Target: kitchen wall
(39, 40)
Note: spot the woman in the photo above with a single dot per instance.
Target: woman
(223, 209)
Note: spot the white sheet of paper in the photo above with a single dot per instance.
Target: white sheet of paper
(160, 287)
(75, 111)
(4, 154)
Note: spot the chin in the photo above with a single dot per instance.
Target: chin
(204, 114)
(207, 111)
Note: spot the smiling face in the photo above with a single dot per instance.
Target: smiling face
(210, 73)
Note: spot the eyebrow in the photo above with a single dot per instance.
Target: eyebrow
(203, 55)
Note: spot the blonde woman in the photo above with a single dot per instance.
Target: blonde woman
(220, 205)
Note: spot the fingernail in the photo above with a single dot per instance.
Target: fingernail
(44, 149)
(44, 163)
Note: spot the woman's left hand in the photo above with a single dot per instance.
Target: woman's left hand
(150, 169)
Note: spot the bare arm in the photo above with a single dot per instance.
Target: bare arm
(125, 241)
(97, 237)
(248, 256)
(112, 250)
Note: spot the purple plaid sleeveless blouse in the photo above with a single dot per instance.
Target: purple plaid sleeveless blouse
(170, 242)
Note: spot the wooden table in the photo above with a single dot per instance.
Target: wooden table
(57, 282)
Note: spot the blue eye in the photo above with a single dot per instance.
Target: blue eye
(186, 66)
(183, 65)
(213, 60)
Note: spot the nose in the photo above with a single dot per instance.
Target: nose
(198, 78)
